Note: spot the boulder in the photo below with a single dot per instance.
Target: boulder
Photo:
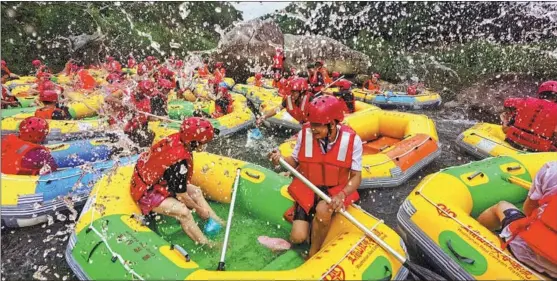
(250, 46)
(303, 49)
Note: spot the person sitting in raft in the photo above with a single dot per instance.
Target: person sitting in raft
(162, 176)
(223, 100)
(415, 87)
(296, 101)
(344, 92)
(24, 154)
(373, 83)
(320, 78)
(276, 80)
(258, 81)
(131, 61)
(531, 236)
(6, 73)
(8, 100)
(159, 98)
(278, 62)
(203, 71)
(329, 155)
(52, 108)
(529, 123)
(220, 71)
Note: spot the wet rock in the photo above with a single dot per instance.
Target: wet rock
(451, 104)
(485, 98)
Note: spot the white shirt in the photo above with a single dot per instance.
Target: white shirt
(356, 151)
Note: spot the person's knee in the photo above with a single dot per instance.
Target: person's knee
(184, 214)
(298, 236)
(323, 213)
(501, 207)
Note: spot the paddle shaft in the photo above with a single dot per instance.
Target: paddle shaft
(229, 221)
(343, 212)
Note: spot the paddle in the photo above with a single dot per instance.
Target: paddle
(255, 131)
(518, 181)
(221, 265)
(419, 272)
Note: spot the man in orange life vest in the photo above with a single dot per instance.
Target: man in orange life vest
(328, 154)
(258, 81)
(531, 236)
(320, 78)
(373, 83)
(162, 176)
(296, 101)
(52, 109)
(344, 92)
(24, 154)
(278, 61)
(531, 123)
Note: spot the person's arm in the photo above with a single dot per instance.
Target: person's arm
(292, 160)
(355, 175)
(529, 206)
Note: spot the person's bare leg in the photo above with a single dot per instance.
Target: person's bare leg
(492, 217)
(174, 208)
(320, 226)
(197, 195)
(300, 232)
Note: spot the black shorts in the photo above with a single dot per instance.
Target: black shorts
(510, 216)
(300, 213)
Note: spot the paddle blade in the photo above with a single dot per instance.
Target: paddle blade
(421, 273)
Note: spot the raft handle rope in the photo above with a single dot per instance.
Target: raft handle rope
(353, 247)
(514, 168)
(439, 209)
(255, 176)
(495, 142)
(460, 257)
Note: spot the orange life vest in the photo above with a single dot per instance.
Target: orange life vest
(47, 112)
(298, 112)
(539, 230)
(535, 122)
(331, 169)
(203, 71)
(13, 151)
(372, 86)
(150, 167)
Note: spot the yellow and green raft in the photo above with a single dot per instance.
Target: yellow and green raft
(111, 242)
(439, 216)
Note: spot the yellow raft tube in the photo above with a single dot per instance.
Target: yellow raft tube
(396, 145)
(485, 140)
(439, 217)
(111, 242)
(267, 82)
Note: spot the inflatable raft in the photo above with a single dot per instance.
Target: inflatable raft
(485, 140)
(60, 130)
(111, 242)
(201, 85)
(398, 99)
(439, 217)
(240, 118)
(31, 200)
(256, 94)
(267, 83)
(396, 145)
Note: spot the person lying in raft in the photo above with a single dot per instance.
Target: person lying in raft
(531, 236)
(24, 154)
(162, 175)
(329, 154)
(296, 100)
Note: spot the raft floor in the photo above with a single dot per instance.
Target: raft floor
(244, 252)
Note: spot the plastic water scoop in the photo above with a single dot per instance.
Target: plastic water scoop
(229, 221)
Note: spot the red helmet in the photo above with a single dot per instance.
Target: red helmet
(279, 50)
(292, 70)
(150, 58)
(218, 64)
(547, 87)
(196, 129)
(326, 109)
(141, 69)
(48, 96)
(223, 90)
(166, 72)
(299, 85)
(179, 63)
(258, 75)
(335, 74)
(146, 87)
(36, 63)
(113, 77)
(33, 129)
(165, 84)
(376, 75)
(344, 84)
(115, 66)
(3, 63)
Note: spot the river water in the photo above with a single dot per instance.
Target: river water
(38, 252)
